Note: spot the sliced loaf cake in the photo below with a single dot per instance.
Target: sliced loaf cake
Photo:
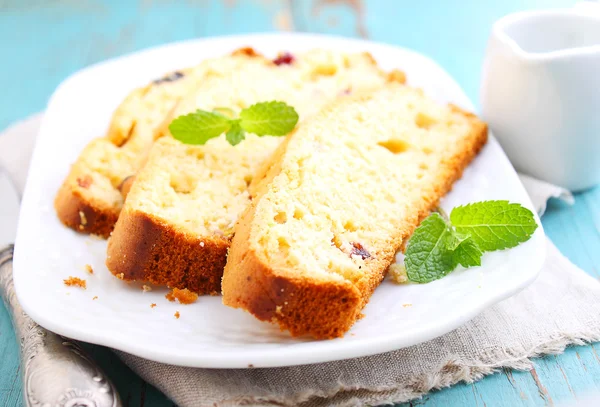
(89, 201)
(177, 222)
(340, 198)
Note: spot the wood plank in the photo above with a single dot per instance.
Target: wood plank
(10, 379)
(573, 233)
(87, 32)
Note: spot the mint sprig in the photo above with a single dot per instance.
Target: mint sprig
(263, 119)
(269, 118)
(199, 127)
(438, 245)
(494, 225)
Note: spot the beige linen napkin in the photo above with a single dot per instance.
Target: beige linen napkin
(560, 308)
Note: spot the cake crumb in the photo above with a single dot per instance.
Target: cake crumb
(95, 297)
(120, 276)
(75, 282)
(176, 315)
(152, 305)
(184, 296)
(397, 273)
(407, 305)
(146, 288)
(89, 269)
(201, 244)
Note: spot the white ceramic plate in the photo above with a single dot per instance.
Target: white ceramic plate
(209, 334)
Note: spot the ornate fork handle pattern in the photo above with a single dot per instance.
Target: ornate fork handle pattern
(56, 371)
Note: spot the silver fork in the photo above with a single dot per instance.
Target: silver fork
(56, 371)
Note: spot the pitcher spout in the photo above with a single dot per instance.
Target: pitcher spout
(549, 34)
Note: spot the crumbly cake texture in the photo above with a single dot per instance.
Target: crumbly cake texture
(184, 296)
(340, 198)
(397, 273)
(75, 282)
(90, 198)
(177, 222)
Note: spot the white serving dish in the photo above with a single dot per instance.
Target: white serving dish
(209, 334)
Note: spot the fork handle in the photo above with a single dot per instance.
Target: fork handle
(56, 371)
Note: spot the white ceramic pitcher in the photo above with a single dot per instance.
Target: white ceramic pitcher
(540, 93)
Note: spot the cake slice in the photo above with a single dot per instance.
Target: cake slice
(178, 218)
(89, 200)
(177, 222)
(340, 198)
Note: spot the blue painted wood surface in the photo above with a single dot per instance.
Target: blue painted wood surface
(42, 42)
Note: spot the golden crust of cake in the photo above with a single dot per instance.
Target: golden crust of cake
(84, 213)
(152, 250)
(324, 225)
(92, 186)
(178, 219)
(299, 305)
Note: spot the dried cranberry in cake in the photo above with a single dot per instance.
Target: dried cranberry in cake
(172, 77)
(284, 59)
(85, 181)
(359, 250)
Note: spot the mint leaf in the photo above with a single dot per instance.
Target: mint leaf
(427, 256)
(262, 119)
(235, 134)
(269, 119)
(438, 246)
(494, 225)
(199, 127)
(467, 253)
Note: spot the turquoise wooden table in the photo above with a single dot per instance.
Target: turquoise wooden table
(42, 42)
